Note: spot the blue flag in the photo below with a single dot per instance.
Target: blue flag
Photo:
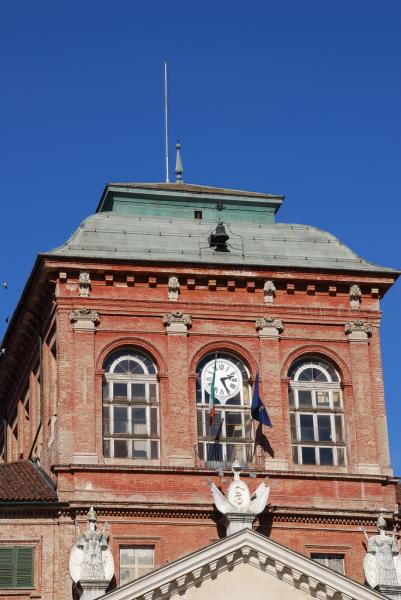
(258, 410)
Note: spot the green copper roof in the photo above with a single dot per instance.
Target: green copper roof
(156, 222)
(180, 200)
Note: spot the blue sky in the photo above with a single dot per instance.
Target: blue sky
(290, 97)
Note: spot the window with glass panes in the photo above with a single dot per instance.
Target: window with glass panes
(130, 406)
(333, 561)
(135, 561)
(230, 435)
(316, 413)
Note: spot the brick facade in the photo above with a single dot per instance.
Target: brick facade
(166, 503)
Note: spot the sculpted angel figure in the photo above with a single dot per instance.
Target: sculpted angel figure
(239, 499)
(382, 563)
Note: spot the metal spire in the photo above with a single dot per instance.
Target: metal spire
(178, 165)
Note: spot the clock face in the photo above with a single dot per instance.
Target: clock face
(228, 378)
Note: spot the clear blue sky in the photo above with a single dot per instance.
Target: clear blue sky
(301, 98)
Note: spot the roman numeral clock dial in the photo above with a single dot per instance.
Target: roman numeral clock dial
(228, 379)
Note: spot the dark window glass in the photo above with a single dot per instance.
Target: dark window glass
(305, 397)
(324, 428)
(120, 449)
(120, 390)
(308, 455)
(120, 419)
(326, 456)
(139, 421)
(233, 424)
(306, 426)
(138, 392)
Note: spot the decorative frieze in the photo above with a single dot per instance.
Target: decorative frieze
(84, 319)
(354, 296)
(269, 292)
(358, 330)
(269, 326)
(177, 322)
(173, 288)
(84, 284)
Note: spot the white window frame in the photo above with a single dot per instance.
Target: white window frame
(149, 438)
(315, 410)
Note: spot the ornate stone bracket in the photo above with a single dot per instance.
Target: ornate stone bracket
(269, 292)
(269, 327)
(355, 296)
(84, 284)
(358, 331)
(173, 288)
(177, 322)
(84, 319)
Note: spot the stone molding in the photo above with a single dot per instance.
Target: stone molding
(247, 546)
(173, 288)
(177, 322)
(84, 284)
(354, 296)
(269, 327)
(84, 319)
(269, 292)
(358, 331)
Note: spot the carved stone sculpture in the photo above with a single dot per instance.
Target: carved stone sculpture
(358, 330)
(382, 563)
(240, 507)
(84, 319)
(84, 284)
(269, 327)
(269, 290)
(91, 563)
(177, 322)
(355, 296)
(173, 288)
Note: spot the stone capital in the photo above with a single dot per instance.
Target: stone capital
(177, 323)
(358, 331)
(84, 319)
(269, 327)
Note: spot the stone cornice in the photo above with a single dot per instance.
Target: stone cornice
(272, 558)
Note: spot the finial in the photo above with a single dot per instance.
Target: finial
(178, 164)
(91, 516)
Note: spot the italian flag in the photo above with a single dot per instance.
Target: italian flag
(212, 399)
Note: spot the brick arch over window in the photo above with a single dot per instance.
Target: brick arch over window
(130, 400)
(135, 342)
(324, 353)
(223, 417)
(316, 407)
(224, 346)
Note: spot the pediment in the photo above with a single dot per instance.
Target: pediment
(246, 564)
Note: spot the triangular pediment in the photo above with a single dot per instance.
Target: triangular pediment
(244, 565)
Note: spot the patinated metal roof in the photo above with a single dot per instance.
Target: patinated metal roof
(109, 235)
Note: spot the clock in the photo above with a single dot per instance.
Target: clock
(228, 379)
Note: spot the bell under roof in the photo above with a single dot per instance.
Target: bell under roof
(171, 223)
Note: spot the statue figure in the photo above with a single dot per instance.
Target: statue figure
(240, 507)
(382, 563)
(90, 558)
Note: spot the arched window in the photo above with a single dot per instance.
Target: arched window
(230, 433)
(316, 413)
(130, 406)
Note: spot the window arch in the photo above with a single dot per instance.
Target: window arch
(230, 433)
(316, 413)
(130, 405)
